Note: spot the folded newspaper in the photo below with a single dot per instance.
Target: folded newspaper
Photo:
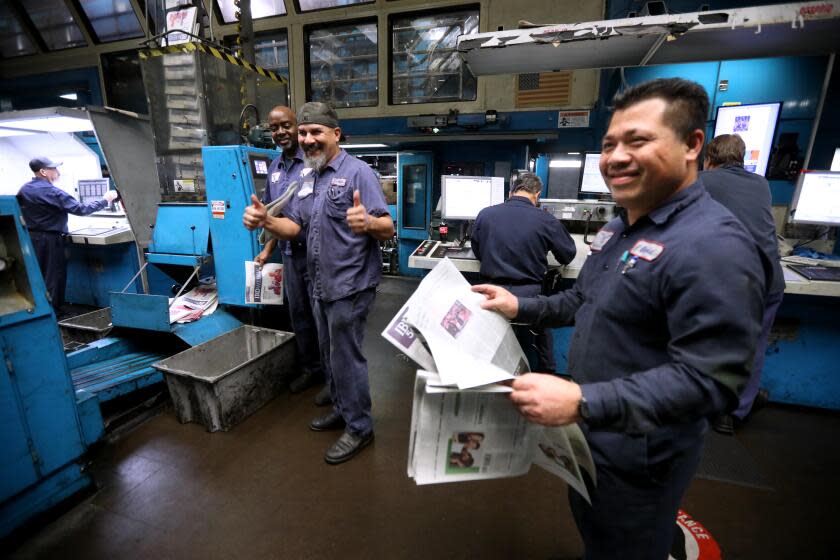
(263, 283)
(198, 302)
(463, 425)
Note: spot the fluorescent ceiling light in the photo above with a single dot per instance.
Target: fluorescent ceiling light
(835, 163)
(70, 96)
(346, 146)
(52, 123)
(6, 132)
(564, 163)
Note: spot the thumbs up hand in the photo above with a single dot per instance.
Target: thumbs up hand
(255, 215)
(357, 216)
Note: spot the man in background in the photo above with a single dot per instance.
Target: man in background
(512, 241)
(746, 195)
(282, 172)
(45, 208)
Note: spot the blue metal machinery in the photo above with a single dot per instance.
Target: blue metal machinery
(414, 204)
(232, 175)
(45, 427)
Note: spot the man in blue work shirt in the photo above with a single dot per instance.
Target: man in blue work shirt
(512, 241)
(282, 172)
(347, 218)
(746, 195)
(667, 311)
(44, 208)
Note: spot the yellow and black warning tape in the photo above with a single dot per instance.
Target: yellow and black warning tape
(192, 47)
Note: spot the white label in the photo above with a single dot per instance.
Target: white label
(573, 119)
(218, 209)
(184, 185)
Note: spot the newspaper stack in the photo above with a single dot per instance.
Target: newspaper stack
(463, 425)
(198, 302)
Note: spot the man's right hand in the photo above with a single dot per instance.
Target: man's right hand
(498, 299)
(255, 215)
(262, 258)
(111, 196)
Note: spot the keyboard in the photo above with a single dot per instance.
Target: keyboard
(796, 259)
(817, 272)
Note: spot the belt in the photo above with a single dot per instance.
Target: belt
(508, 282)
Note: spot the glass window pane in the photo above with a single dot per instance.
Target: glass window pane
(309, 5)
(259, 9)
(425, 64)
(342, 65)
(112, 20)
(272, 52)
(124, 81)
(13, 40)
(55, 23)
(414, 196)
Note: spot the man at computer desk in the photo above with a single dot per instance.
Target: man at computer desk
(746, 195)
(512, 241)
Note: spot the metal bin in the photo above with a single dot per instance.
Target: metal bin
(87, 327)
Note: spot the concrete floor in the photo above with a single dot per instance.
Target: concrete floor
(262, 490)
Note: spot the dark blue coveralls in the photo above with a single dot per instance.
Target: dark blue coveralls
(44, 208)
(344, 269)
(283, 172)
(667, 313)
(512, 240)
(747, 195)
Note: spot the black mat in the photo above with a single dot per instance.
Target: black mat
(725, 459)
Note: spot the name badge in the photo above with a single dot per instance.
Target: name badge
(339, 182)
(647, 250)
(601, 239)
(275, 176)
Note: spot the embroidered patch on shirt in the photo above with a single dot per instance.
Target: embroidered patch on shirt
(647, 250)
(601, 239)
(275, 176)
(306, 189)
(338, 182)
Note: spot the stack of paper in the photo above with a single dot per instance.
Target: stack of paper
(201, 300)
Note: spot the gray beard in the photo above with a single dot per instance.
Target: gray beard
(317, 164)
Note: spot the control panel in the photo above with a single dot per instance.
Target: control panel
(425, 248)
(596, 211)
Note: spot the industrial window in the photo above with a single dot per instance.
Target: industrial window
(55, 23)
(342, 65)
(310, 5)
(272, 52)
(112, 20)
(259, 9)
(13, 39)
(425, 66)
(153, 10)
(123, 81)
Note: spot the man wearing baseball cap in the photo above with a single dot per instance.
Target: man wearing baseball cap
(344, 219)
(44, 208)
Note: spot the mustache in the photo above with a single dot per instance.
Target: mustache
(308, 148)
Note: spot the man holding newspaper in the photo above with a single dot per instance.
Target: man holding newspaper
(667, 310)
(344, 223)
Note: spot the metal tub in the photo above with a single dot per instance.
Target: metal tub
(223, 381)
(87, 327)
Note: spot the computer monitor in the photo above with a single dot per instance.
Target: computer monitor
(817, 199)
(756, 125)
(463, 197)
(592, 183)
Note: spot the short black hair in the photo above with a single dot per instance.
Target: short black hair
(688, 103)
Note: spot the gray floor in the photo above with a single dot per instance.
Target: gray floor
(263, 490)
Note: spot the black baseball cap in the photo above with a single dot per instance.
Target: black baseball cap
(39, 163)
(315, 112)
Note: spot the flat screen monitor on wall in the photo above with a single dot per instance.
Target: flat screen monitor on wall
(592, 183)
(463, 197)
(756, 125)
(817, 199)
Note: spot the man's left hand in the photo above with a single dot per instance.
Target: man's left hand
(546, 399)
(357, 216)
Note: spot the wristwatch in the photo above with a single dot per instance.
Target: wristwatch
(583, 408)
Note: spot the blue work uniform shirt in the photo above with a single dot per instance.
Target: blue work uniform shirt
(747, 195)
(670, 338)
(512, 241)
(340, 262)
(45, 207)
(282, 172)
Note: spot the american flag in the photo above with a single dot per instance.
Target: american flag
(544, 89)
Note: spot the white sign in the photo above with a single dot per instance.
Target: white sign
(218, 209)
(573, 119)
(184, 185)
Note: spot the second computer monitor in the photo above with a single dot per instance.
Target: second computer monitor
(817, 199)
(592, 183)
(463, 197)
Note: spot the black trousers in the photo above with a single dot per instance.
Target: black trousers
(49, 250)
(536, 342)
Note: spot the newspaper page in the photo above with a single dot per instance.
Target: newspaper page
(467, 435)
(201, 300)
(563, 451)
(403, 336)
(471, 346)
(264, 284)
